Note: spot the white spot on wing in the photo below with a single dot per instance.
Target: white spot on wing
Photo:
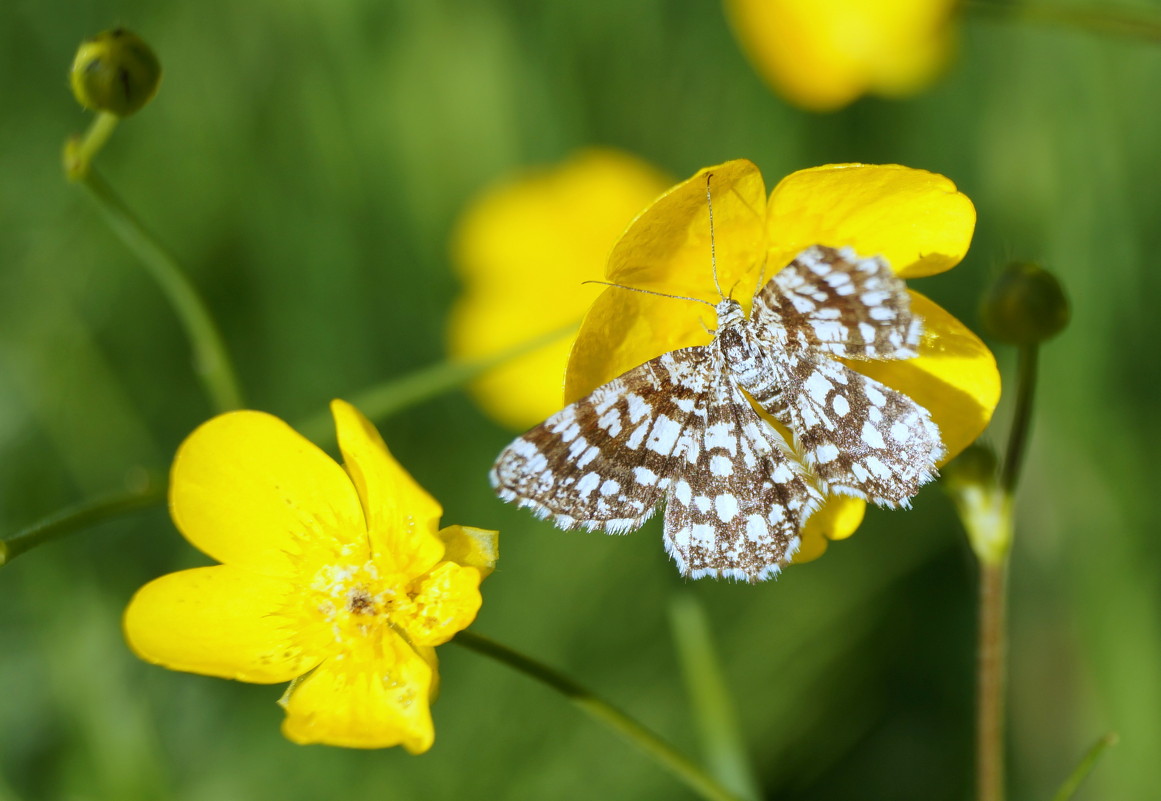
(680, 425)
(872, 437)
(726, 506)
(817, 386)
(721, 466)
(826, 453)
(664, 435)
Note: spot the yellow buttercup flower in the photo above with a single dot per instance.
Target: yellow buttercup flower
(522, 250)
(338, 579)
(823, 54)
(914, 219)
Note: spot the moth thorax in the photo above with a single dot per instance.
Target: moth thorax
(729, 314)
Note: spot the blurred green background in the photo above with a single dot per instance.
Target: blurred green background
(306, 161)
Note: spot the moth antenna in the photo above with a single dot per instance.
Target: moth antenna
(709, 202)
(734, 286)
(651, 292)
(761, 279)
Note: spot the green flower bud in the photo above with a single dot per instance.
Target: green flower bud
(983, 506)
(1025, 305)
(115, 71)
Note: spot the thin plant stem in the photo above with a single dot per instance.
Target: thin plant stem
(78, 517)
(634, 732)
(717, 722)
(1116, 22)
(991, 680)
(1072, 783)
(81, 150)
(382, 401)
(393, 396)
(211, 361)
(1027, 359)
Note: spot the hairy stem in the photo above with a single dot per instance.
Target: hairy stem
(991, 680)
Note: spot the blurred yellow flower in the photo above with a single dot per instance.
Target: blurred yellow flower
(338, 579)
(914, 219)
(523, 249)
(823, 54)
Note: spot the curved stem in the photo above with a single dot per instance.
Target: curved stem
(211, 361)
(381, 401)
(679, 765)
(77, 517)
(1027, 358)
(393, 396)
(1099, 20)
(991, 680)
(81, 150)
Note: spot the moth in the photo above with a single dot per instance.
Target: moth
(682, 428)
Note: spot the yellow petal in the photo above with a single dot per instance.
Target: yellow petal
(402, 518)
(376, 697)
(667, 249)
(624, 329)
(955, 376)
(791, 45)
(822, 54)
(446, 600)
(249, 491)
(225, 621)
(471, 547)
(427, 653)
(916, 43)
(523, 391)
(838, 518)
(914, 219)
(534, 237)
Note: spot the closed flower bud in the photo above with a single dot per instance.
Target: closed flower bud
(115, 71)
(977, 466)
(1025, 305)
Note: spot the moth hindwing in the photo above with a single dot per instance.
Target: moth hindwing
(679, 428)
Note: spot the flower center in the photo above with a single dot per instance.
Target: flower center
(357, 602)
(360, 602)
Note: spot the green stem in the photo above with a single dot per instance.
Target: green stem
(1027, 359)
(77, 517)
(393, 396)
(990, 524)
(679, 765)
(991, 680)
(211, 361)
(1070, 786)
(1100, 20)
(81, 150)
(380, 402)
(722, 742)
